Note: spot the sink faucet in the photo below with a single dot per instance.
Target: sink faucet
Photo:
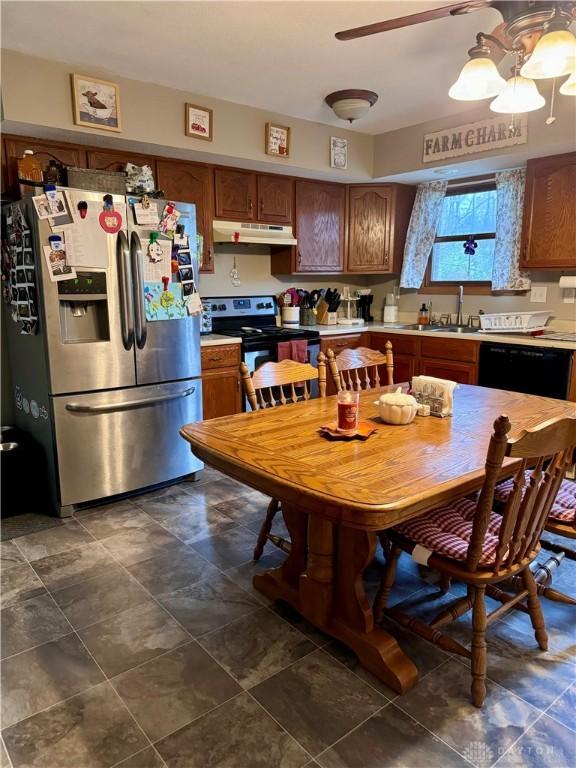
(459, 318)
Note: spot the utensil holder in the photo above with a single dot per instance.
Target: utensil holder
(323, 317)
(291, 316)
(308, 317)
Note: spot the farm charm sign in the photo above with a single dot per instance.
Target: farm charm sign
(474, 137)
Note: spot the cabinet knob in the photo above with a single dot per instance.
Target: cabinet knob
(261, 204)
(250, 207)
(299, 258)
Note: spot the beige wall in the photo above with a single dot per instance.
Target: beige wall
(37, 93)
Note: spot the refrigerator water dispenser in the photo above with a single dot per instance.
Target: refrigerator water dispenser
(83, 304)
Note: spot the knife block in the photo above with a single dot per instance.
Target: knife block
(324, 317)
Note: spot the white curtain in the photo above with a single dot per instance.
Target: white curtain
(421, 232)
(506, 274)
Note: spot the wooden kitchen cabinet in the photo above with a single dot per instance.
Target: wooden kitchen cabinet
(235, 194)
(405, 350)
(221, 386)
(463, 373)
(191, 183)
(116, 161)
(378, 218)
(320, 222)
(549, 224)
(14, 146)
(337, 344)
(275, 196)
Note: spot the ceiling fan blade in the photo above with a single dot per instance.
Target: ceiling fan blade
(454, 9)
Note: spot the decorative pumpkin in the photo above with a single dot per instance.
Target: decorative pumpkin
(397, 408)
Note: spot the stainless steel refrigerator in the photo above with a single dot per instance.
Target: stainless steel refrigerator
(101, 389)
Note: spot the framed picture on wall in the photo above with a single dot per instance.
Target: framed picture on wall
(96, 103)
(338, 153)
(198, 122)
(277, 140)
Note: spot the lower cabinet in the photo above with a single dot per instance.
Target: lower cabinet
(221, 386)
(463, 373)
(337, 344)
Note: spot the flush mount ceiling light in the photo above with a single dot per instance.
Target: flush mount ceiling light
(536, 32)
(351, 104)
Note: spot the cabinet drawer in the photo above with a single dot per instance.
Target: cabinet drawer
(338, 343)
(450, 349)
(403, 345)
(463, 373)
(221, 356)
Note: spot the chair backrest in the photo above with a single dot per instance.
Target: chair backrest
(276, 383)
(545, 452)
(356, 369)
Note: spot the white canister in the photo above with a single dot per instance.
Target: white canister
(291, 316)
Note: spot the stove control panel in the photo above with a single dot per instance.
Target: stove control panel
(241, 306)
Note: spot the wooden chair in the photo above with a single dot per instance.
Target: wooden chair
(356, 369)
(271, 385)
(471, 543)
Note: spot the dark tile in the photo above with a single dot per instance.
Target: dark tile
(441, 702)
(44, 676)
(244, 574)
(546, 743)
(166, 693)
(31, 623)
(55, 540)
(390, 739)
(559, 621)
(91, 730)
(317, 700)
(254, 523)
(119, 519)
(291, 615)
(132, 637)
(209, 604)
(19, 583)
(187, 517)
(9, 555)
(176, 568)
(68, 568)
(100, 598)
(148, 758)
(228, 548)
(564, 708)
(256, 646)
(140, 544)
(239, 733)
(248, 509)
(564, 578)
(113, 506)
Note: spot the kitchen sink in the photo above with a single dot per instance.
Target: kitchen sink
(453, 329)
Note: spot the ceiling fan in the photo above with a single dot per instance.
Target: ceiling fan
(536, 32)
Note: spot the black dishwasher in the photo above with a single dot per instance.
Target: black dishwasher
(533, 370)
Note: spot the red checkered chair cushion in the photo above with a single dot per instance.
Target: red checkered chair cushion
(564, 508)
(447, 531)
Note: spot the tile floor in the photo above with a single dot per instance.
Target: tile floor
(132, 637)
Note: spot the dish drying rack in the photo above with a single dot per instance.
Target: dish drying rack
(348, 319)
(514, 322)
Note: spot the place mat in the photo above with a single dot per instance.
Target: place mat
(363, 431)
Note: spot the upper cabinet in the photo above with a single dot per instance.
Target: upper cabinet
(379, 215)
(235, 194)
(116, 161)
(14, 146)
(191, 183)
(253, 197)
(275, 196)
(549, 225)
(320, 226)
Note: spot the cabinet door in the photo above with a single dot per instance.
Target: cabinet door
(463, 373)
(320, 222)
(404, 369)
(235, 194)
(67, 154)
(369, 229)
(549, 227)
(191, 183)
(337, 344)
(116, 161)
(221, 394)
(275, 195)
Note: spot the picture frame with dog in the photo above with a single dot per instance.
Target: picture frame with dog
(96, 103)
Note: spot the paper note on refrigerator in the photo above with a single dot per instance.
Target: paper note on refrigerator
(86, 245)
(157, 262)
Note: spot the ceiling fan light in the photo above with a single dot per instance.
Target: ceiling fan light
(479, 79)
(519, 95)
(553, 56)
(568, 87)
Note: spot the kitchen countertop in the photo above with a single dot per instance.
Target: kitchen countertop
(513, 338)
(215, 339)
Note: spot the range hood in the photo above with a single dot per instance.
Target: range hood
(248, 232)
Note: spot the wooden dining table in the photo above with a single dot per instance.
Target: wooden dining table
(336, 495)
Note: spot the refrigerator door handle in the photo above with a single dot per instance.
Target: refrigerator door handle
(126, 321)
(138, 285)
(129, 404)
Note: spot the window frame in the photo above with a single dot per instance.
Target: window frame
(451, 286)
